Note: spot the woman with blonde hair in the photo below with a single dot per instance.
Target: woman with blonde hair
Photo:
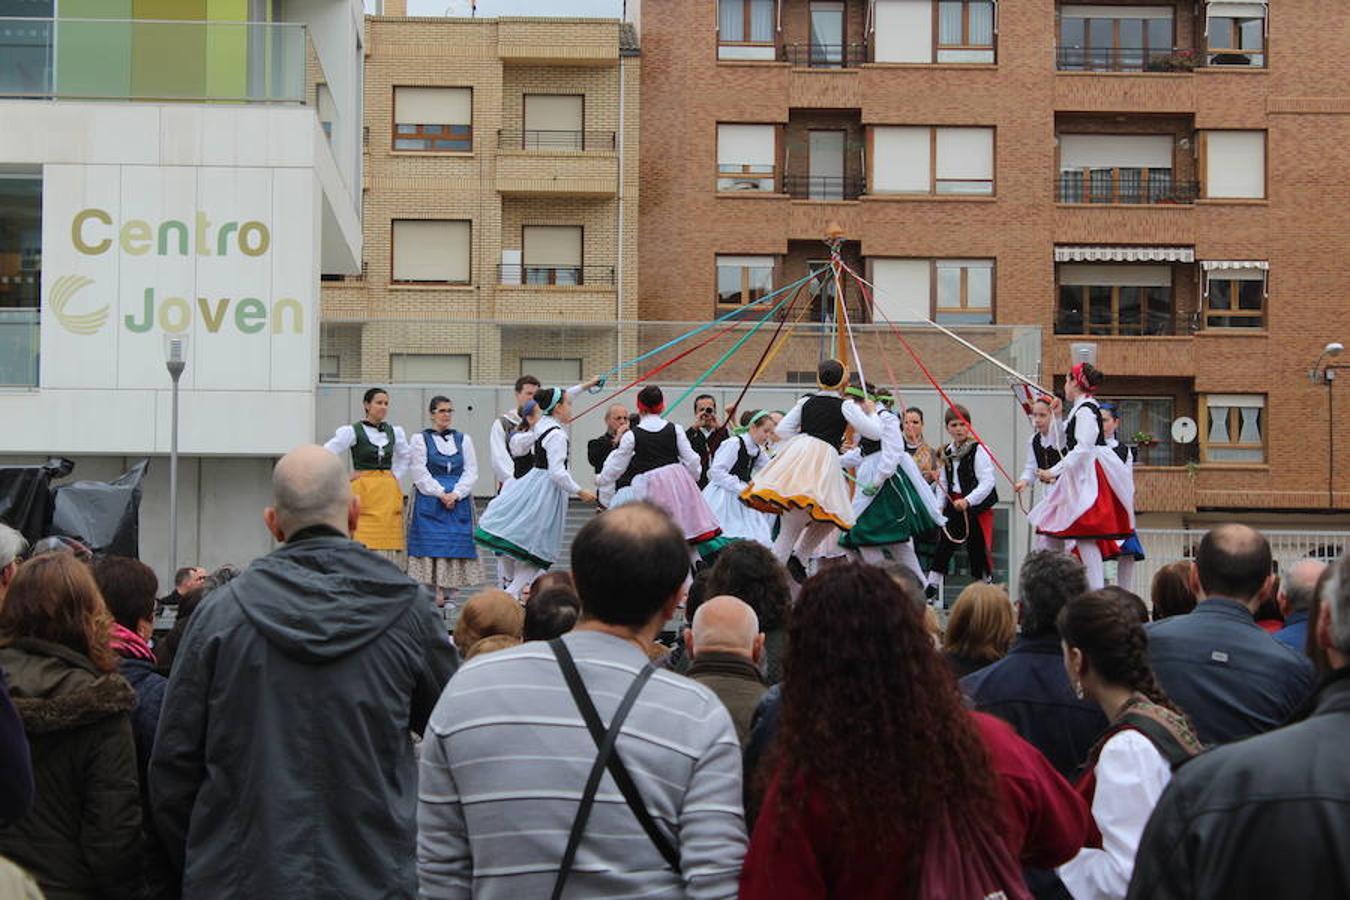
(486, 614)
(83, 836)
(980, 628)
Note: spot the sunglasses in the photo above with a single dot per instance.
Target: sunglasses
(705, 409)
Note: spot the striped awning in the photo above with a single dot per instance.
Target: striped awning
(1210, 265)
(1125, 254)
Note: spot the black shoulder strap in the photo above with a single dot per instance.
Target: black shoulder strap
(606, 758)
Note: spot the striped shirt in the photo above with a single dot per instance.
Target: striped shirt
(504, 765)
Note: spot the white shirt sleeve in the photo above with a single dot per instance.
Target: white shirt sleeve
(1029, 470)
(892, 447)
(719, 470)
(1085, 433)
(522, 442)
(687, 454)
(502, 466)
(865, 425)
(984, 476)
(791, 424)
(469, 476)
(1131, 775)
(555, 447)
(617, 461)
(341, 441)
(422, 478)
(402, 458)
(852, 459)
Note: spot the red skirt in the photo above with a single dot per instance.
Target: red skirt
(1107, 517)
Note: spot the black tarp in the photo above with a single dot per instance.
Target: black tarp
(104, 515)
(25, 496)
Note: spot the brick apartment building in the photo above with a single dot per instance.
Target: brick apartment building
(1163, 183)
(500, 198)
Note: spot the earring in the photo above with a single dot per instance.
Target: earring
(1078, 689)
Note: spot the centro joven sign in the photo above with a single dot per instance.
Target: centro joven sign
(227, 256)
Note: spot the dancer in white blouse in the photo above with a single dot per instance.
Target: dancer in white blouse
(441, 551)
(380, 457)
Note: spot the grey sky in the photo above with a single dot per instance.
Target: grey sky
(488, 8)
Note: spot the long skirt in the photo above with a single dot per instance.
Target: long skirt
(804, 475)
(900, 510)
(738, 520)
(673, 489)
(380, 525)
(525, 521)
(1093, 498)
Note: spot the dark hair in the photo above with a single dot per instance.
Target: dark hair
(1106, 628)
(651, 397)
(1108, 408)
(1092, 375)
(627, 562)
(868, 747)
(1131, 600)
(435, 402)
(696, 594)
(1233, 561)
(747, 416)
(524, 380)
(371, 394)
(955, 413)
(914, 409)
(128, 587)
(558, 578)
(1270, 603)
(701, 397)
(830, 371)
(53, 598)
(183, 575)
(550, 613)
(750, 572)
(1048, 580)
(1171, 590)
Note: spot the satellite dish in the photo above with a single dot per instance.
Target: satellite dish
(1184, 430)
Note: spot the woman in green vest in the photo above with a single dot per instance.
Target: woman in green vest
(380, 458)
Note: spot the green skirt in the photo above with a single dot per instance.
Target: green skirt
(896, 514)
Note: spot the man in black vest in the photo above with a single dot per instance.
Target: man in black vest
(967, 482)
(705, 435)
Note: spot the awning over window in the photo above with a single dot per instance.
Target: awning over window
(1211, 264)
(1124, 254)
(1236, 10)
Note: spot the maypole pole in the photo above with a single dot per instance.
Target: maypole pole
(834, 240)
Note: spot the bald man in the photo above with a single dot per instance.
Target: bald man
(282, 765)
(727, 648)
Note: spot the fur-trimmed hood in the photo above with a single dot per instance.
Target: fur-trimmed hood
(56, 689)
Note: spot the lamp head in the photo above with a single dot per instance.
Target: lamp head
(1335, 348)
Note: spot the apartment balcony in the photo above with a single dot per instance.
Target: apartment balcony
(564, 293)
(824, 188)
(1127, 59)
(557, 163)
(557, 42)
(1170, 355)
(1125, 186)
(825, 56)
(1166, 489)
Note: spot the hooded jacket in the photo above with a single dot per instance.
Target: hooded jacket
(83, 837)
(283, 764)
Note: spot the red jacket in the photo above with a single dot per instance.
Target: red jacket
(1044, 822)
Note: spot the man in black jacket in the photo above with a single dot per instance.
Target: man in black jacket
(705, 435)
(599, 448)
(283, 765)
(1265, 817)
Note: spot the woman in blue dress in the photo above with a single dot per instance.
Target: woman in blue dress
(444, 468)
(525, 521)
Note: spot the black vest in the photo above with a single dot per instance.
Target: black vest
(1124, 452)
(744, 461)
(966, 469)
(538, 459)
(651, 450)
(1070, 441)
(520, 464)
(823, 418)
(1045, 456)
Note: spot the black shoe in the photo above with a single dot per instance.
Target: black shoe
(796, 570)
(931, 592)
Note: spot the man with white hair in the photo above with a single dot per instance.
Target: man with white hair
(283, 766)
(1295, 600)
(727, 648)
(12, 546)
(1264, 817)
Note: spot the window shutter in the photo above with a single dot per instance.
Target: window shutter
(1235, 164)
(745, 145)
(433, 106)
(900, 160)
(902, 288)
(552, 245)
(431, 251)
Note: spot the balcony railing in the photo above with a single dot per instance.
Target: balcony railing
(562, 276)
(823, 187)
(1166, 453)
(1125, 185)
(826, 56)
(155, 60)
(1126, 59)
(19, 347)
(554, 140)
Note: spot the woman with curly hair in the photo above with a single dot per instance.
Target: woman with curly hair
(83, 836)
(1106, 655)
(880, 782)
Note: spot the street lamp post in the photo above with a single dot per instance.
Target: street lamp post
(175, 360)
(1327, 376)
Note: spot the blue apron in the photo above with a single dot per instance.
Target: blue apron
(434, 530)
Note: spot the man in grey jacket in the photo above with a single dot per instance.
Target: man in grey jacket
(283, 765)
(507, 752)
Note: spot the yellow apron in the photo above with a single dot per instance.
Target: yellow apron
(380, 525)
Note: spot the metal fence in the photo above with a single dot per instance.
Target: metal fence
(826, 56)
(823, 187)
(1125, 185)
(554, 140)
(1126, 59)
(518, 273)
(1165, 546)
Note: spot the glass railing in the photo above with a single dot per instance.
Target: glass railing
(155, 60)
(18, 348)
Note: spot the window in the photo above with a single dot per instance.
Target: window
(965, 31)
(1151, 416)
(330, 367)
(323, 102)
(1234, 428)
(431, 251)
(552, 254)
(1118, 168)
(433, 119)
(746, 29)
(1235, 295)
(1118, 39)
(1236, 34)
(965, 291)
(902, 288)
(928, 160)
(552, 371)
(20, 278)
(746, 157)
(429, 368)
(743, 279)
(827, 34)
(555, 122)
(1234, 163)
(1128, 301)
